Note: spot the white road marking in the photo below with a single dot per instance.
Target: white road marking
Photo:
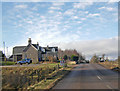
(99, 78)
(108, 86)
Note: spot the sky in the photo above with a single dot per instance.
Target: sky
(89, 27)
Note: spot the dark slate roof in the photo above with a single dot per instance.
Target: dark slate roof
(50, 48)
(26, 48)
(35, 45)
(18, 49)
(11, 56)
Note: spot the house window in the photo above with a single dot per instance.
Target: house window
(43, 50)
(53, 49)
(25, 56)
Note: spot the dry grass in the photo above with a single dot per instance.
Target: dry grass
(114, 65)
(51, 81)
(23, 77)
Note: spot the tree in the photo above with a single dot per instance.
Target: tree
(103, 56)
(74, 58)
(107, 59)
(94, 59)
(65, 57)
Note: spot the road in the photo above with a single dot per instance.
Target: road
(89, 76)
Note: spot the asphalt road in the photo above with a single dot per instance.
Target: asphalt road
(89, 76)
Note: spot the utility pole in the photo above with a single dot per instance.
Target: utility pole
(4, 50)
(4, 47)
(7, 51)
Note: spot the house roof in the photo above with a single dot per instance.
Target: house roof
(34, 45)
(18, 49)
(50, 48)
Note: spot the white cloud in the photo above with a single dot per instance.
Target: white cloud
(83, 18)
(51, 11)
(82, 5)
(58, 3)
(21, 6)
(91, 47)
(107, 8)
(93, 15)
(30, 22)
(113, 1)
(75, 17)
(69, 12)
(55, 8)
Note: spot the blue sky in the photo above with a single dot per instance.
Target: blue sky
(56, 24)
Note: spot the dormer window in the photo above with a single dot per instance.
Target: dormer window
(53, 49)
(43, 50)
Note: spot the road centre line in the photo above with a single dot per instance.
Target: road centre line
(108, 87)
(99, 78)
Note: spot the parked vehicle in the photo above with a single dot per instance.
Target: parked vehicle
(24, 61)
(87, 61)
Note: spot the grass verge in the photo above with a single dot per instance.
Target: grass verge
(6, 63)
(113, 65)
(51, 81)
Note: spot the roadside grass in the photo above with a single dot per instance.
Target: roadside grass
(51, 81)
(113, 65)
(71, 63)
(24, 77)
(6, 63)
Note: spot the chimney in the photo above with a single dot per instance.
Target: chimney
(38, 45)
(29, 41)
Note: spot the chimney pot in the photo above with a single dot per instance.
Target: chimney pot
(29, 41)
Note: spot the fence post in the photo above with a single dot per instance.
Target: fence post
(32, 77)
(38, 72)
(58, 66)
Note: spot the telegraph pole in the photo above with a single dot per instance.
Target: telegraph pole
(7, 52)
(4, 51)
(4, 47)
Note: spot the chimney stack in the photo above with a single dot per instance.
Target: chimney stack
(29, 41)
(38, 45)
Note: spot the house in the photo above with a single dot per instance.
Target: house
(10, 58)
(34, 52)
(2, 56)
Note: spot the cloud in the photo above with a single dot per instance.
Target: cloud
(82, 5)
(30, 22)
(21, 6)
(83, 19)
(55, 8)
(69, 12)
(51, 11)
(113, 1)
(107, 8)
(58, 3)
(93, 15)
(91, 47)
(75, 17)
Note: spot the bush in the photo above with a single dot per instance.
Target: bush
(7, 63)
(23, 77)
